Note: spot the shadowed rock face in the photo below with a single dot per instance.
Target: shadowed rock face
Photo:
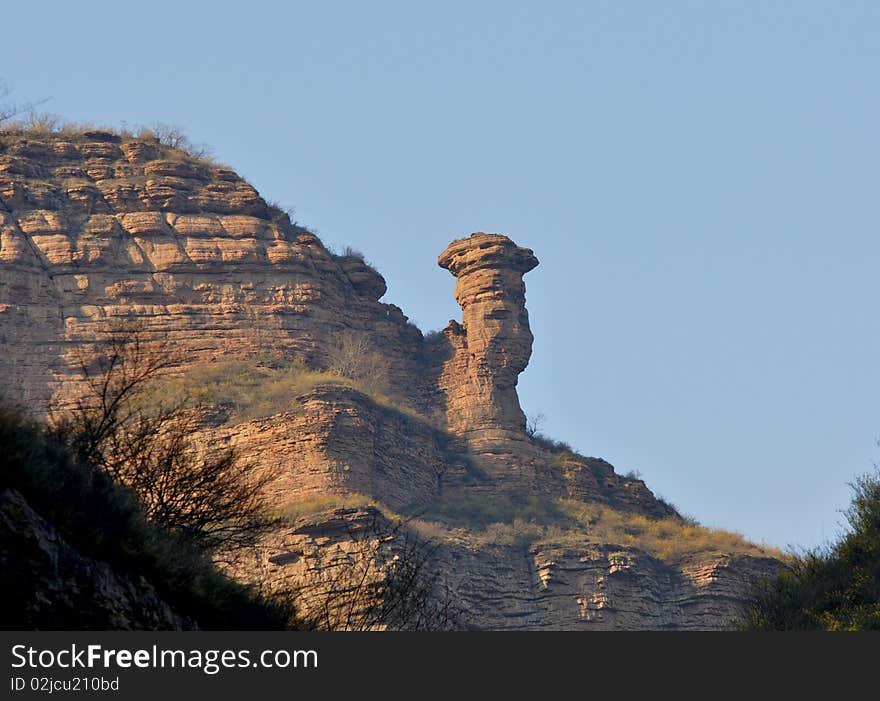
(48, 585)
(492, 345)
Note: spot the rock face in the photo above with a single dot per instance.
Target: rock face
(597, 587)
(520, 586)
(492, 345)
(97, 227)
(314, 558)
(49, 586)
(339, 441)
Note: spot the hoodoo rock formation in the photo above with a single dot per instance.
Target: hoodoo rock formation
(492, 345)
(97, 227)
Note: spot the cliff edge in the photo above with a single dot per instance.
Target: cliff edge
(303, 369)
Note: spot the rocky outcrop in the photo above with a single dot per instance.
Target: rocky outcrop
(47, 584)
(492, 345)
(596, 586)
(339, 441)
(478, 376)
(97, 227)
(334, 562)
(508, 585)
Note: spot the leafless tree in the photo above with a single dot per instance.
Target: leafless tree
(352, 354)
(115, 370)
(9, 111)
(380, 578)
(534, 422)
(173, 136)
(203, 494)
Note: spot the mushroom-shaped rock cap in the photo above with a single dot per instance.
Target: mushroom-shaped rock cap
(480, 250)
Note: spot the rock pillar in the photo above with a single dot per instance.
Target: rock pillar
(493, 343)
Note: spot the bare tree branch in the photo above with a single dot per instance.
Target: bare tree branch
(380, 578)
(352, 354)
(8, 111)
(204, 494)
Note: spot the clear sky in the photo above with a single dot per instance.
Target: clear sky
(699, 180)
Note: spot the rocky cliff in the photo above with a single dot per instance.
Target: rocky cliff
(54, 587)
(97, 227)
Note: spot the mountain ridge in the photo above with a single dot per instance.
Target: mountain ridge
(351, 399)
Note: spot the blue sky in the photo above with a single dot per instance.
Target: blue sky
(698, 179)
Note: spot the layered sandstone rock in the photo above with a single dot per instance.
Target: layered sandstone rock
(487, 351)
(96, 227)
(545, 585)
(339, 441)
(596, 586)
(335, 562)
(492, 345)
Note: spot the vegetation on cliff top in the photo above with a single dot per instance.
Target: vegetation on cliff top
(264, 387)
(533, 519)
(835, 588)
(536, 520)
(27, 122)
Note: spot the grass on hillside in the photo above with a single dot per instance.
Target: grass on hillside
(668, 539)
(505, 520)
(254, 391)
(301, 508)
(102, 520)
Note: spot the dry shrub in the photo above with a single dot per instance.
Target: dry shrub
(202, 493)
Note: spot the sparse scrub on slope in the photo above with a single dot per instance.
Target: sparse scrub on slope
(836, 588)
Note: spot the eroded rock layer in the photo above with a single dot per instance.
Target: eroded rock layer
(98, 228)
(339, 441)
(520, 586)
(492, 345)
